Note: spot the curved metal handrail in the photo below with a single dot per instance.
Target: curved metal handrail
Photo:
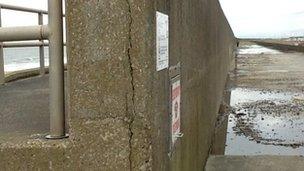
(23, 9)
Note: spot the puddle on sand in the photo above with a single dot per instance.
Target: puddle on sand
(265, 123)
(256, 49)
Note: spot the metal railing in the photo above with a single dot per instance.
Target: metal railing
(54, 33)
(39, 44)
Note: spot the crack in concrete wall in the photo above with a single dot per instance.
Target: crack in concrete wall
(132, 82)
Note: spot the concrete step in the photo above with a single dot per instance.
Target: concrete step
(255, 163)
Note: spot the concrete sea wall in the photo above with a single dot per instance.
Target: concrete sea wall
(280, 45)
(119, 105)
(116, 91)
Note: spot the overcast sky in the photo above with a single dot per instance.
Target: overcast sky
(13, 18)
(248, 18)
(265, 18)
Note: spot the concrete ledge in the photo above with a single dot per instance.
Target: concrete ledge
(19, 140)
(255, 163)
(29, 152)
(17, 75)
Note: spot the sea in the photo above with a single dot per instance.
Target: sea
(16, 59)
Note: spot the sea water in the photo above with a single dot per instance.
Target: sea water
(22, 58)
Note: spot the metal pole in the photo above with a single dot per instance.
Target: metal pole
(2, 74)
(57, 112)
(41, 47)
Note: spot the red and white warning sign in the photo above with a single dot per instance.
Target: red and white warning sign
(176, 110)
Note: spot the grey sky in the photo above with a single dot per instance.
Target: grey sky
(248, 18)
(265, 18)
(13, 18)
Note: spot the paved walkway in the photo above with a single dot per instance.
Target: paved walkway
(24, 106)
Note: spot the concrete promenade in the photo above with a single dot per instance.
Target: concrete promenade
(24, 106)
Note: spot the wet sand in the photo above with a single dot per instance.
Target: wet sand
(267, 103)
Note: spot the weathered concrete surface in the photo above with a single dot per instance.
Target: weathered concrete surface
(24, 152)
(255, 163)
(220, 132)
(203, 42)
(119, 104)
(101, 83)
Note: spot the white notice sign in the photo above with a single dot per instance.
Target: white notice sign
(162, 41)
(176, 106)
